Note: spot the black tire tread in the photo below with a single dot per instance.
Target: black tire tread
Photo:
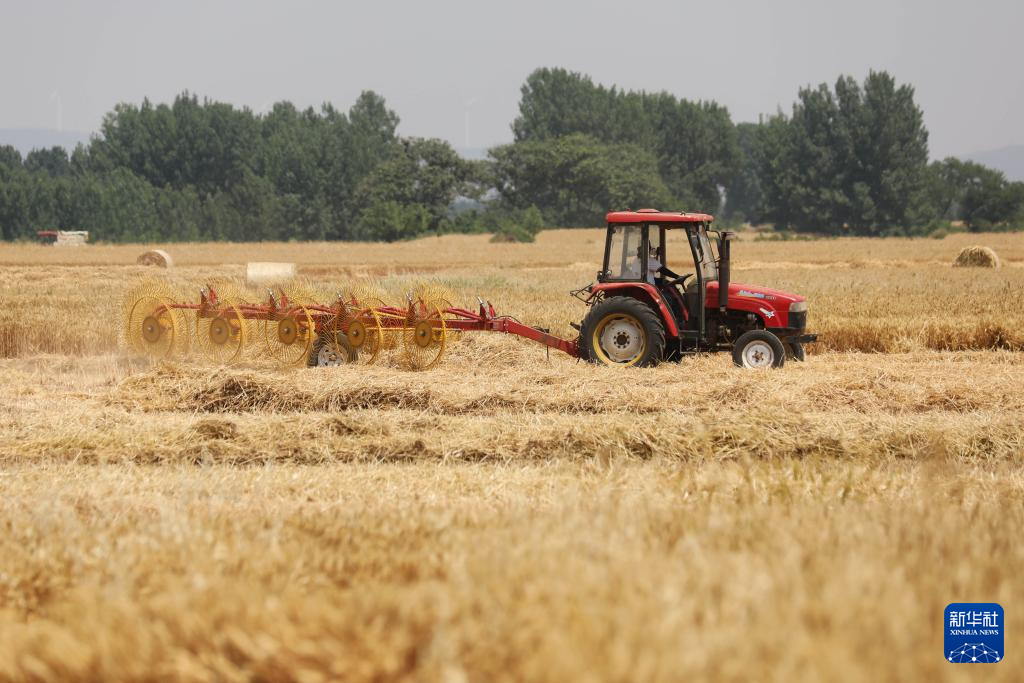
(652, 323)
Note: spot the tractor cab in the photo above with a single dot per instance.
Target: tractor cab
(642, 311)
(637, 253)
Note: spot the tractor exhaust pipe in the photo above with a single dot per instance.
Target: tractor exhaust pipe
(723, 270)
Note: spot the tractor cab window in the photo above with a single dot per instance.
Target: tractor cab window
(624, 246)
(655, 254)
(707, 259)
(654, 242)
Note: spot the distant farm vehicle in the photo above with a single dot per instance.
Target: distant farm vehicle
(64, 238)
(641, 313)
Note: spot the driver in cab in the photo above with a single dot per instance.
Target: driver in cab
(658, 274)
(655, 268)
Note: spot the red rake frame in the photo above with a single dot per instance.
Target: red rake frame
(392, 319)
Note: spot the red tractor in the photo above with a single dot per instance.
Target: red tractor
(642, 313)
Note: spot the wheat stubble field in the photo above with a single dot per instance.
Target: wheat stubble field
(506, 516)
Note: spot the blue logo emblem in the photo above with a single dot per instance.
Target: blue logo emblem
(974, 633)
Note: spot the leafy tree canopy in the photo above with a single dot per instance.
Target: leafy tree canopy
(694, 143)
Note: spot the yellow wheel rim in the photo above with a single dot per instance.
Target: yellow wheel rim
(619, 339)
(287, 331)
(356, 334)
(219, 331)
(424, 334)
(152, 329)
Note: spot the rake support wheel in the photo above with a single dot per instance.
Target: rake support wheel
(330, 350)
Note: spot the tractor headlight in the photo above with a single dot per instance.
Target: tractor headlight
(798, 307)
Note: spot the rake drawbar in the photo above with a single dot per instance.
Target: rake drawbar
(487, 320)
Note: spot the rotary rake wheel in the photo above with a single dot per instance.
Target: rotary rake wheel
(444, 305)
(438, 296)
(222, 332)
(152, 327)
(303, 293)
(289, 335)
(424, 336)
(365, 333)
(392, 322)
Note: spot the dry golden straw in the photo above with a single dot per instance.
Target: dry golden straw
(504, 517)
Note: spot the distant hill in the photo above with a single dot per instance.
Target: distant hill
(1009, 160)
(27, 139)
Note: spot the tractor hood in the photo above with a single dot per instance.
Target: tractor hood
(770, 305)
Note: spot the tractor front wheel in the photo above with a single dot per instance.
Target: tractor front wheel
(795, 351)
(622, 331)
(758, 349)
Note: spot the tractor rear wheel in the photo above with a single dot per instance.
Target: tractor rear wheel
(622, 331)
(758, 349)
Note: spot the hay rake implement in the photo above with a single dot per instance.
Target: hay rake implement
(224, 328)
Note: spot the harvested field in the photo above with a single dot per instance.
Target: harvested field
(506, 516)
(882, 296)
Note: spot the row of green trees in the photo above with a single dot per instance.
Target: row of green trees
(201, 170)
(848, 159)
(854, 158)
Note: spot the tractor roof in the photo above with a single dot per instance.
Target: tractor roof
(655, 216)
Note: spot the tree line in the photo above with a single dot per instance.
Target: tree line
(848, 159)
(202, 170)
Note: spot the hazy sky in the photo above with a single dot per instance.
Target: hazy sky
(438, 62)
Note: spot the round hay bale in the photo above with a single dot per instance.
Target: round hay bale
(976, 257)
(155, 257)
(268, 273)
